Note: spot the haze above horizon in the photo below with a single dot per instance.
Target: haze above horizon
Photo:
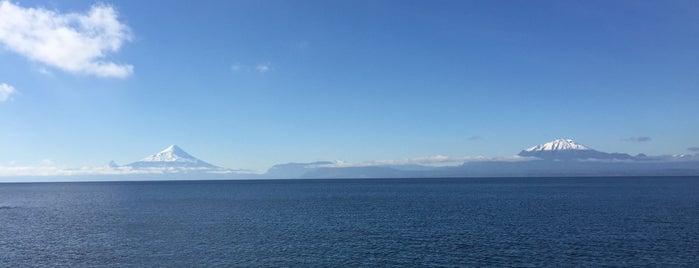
(250, 84)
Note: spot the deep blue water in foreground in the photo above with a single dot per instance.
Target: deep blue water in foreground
(409, 222)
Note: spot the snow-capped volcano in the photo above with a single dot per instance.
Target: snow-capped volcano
(567, 149)
(172, 156)
(559, 144)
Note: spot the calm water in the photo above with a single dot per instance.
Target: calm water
(440, 222)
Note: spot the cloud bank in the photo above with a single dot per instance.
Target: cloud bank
(72, 42)
(48, 169)
(19, 171)
(6, 91)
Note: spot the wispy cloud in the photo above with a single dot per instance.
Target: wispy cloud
(638, 139)
(45, 71)
(262, 68)
(693, 149)
(259, 68)
(236, 68)
(73, 42)
(6, 91)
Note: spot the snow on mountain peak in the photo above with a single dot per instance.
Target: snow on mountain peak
(171, 154)
(567, 149)
(558, 145)
(171, 157)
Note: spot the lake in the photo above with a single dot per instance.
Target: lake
(522, 222)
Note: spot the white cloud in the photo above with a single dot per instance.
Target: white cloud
(46, 163)
(73, 42)
(45, 71)
(6, 91)
(46, 168)
(248, 68)
(262, 68)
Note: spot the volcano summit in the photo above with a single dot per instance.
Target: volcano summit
(567, 149)
(172, 157)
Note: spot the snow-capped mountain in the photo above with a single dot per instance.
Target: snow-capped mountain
(567, 149)
(559, 144)
(171, 157)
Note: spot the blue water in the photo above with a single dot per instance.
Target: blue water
(410, 222)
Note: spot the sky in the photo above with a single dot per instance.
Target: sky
(250, 84)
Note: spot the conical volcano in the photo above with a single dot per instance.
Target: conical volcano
(173, 156)
(567, 149)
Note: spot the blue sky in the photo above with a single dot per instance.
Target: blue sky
(249, 84)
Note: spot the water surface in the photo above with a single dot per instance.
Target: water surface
(402, 222)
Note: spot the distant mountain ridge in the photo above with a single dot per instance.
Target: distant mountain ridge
(172, 157)
(558, 158)
(567, 149)
(294, 170)
(561, 157)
